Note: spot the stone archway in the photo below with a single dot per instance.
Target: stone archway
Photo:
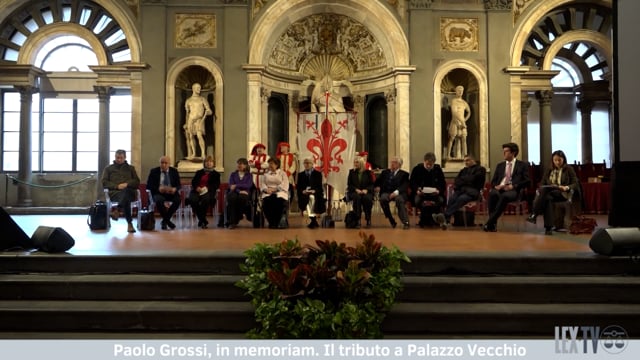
(384, 28)
(173, 73)
(530, 18)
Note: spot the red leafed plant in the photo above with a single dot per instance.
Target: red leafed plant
(329, 290)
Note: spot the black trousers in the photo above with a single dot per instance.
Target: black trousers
(273, 208)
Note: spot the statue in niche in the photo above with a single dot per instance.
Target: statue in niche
(319, 96)
(460, 113)
(197, 109)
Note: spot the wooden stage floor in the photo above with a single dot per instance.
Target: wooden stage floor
(514, 236)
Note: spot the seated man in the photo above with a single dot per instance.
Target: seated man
(428, 188)
(466, 188)
(164, 183)
(509, 178)
(393, 184)
(122, 181)
(310, 192)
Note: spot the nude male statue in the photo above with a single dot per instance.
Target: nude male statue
(460, 113)
(197, 109)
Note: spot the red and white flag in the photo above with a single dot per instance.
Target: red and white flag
(329, 139)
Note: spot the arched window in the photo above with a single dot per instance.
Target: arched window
(65, 129)
(64, 122)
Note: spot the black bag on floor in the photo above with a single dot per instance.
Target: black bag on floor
(98, 218)
(327, 222)
(147, 220)
(351, 220)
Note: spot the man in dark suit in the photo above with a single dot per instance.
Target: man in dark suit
(164, 183)
(428, 187)
(466, 188)
(393, 184)
(509, 178)
(310, 193)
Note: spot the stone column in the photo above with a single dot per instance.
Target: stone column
(104, 98)
(525, 103)
(265, 94)
(24, 158)
(402, 130)
(358, 107)
(586, 106)
(544, 99)
(393, 146)
(254, 106)
(294, 98)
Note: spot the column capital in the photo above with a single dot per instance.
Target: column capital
(104, 92)
(544, 96)
(26, 89)
(265, 94)
(585, 106)
(390, 96)
(525, 102)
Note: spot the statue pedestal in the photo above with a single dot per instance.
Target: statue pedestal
(453, 165)
(190, 165)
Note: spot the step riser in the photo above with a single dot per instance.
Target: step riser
(405, 324)
(478, 291)
(229, 264)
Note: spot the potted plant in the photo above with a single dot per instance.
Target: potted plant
(325, 291)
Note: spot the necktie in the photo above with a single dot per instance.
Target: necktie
(165, 181)
(507, 176)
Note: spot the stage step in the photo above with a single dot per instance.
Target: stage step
(514, 289)
(405, 319)
(227, 263)
(195, 293)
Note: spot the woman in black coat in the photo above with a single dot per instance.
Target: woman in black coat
(559, 184)
(204, 185)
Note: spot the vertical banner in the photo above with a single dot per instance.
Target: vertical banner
(330, 140)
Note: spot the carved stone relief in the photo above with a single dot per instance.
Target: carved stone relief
(195, 31)
(257, 6)
(327, 34)
(420, 4)
(497, 4)
(134, 5)
(518, 8)
(457, 34)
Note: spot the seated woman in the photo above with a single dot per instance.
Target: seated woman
(274, 190)
(558, 184)
(240, 184)
(203, 190)
(360, 190)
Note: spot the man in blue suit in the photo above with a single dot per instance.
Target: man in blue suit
(509, 178)
(393, 184)
(164, 184)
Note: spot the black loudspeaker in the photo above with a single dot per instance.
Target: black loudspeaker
(625, 194)
(52, 239)
(616, 241)
(12, 235)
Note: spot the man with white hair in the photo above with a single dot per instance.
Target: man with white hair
(393, 184)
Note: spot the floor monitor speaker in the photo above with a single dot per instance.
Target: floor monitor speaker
(12, 235)
(616, 241)
(52, 239)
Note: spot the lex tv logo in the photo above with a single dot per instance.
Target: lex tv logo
(612, 339)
